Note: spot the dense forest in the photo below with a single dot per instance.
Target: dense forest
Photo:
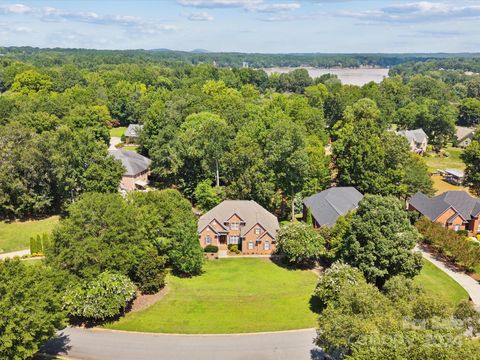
(264, 135)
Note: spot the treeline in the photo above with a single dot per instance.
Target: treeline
(86, 58)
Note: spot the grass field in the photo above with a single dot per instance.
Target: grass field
(439, 284)
(452, 161)
(232, 296)
(16, 236)
(117, 131)
(441, 186)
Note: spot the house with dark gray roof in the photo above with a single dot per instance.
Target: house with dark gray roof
(133, 133)
(137, 169)
(327, 206)
(243, 223)
(455, 210)
(417, 140)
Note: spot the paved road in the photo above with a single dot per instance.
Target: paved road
(14, 253)
(468, 283)
(93, 344)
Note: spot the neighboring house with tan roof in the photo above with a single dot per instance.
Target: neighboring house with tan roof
(417, 140)
(455, 210)
(133, 133)
(464, 136)
(239, 222)
(137, 169)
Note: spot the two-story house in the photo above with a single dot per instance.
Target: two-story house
(239, 222)
(417, 140)
(455, 210)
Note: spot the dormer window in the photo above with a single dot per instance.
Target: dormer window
(258, 231)
(234, 226)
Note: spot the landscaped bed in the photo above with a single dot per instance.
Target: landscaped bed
(16, 235)
(439, 284)
(232, 296)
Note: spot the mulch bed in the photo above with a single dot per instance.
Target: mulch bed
(142, 302)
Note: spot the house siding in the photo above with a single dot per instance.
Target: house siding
(128, 182)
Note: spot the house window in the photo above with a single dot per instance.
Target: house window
(208, 240)
(456, 227)
(257, 231)
(234, 226)
(250, 245)
(234, 240)
(266, 245)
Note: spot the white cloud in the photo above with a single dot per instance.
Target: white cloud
(15, 9)
(200, 16)
(249, 5)
(423, 11)
(51, 14)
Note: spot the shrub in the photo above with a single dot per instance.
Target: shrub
(104, 297)
(456, 247)
(150, 273)
(233, 248)
(39, 243)
(462, 233)
(211, 249)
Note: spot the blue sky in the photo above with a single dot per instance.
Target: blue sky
(267, 26)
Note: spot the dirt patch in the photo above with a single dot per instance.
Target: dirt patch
(142, 302)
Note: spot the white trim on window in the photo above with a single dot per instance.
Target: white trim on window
(250, 245)
(258, 231)
(234, 226)
(234, 239)
(266, 245)
(456, 227)
(208, 240)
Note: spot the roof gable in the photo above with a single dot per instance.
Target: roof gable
(133, 162)
(133, 130)
(460, 201)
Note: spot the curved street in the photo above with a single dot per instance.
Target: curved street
(94, 344)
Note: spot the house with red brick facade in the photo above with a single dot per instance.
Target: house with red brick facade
(239, 222)
(455, 210)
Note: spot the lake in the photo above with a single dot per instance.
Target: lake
(350, 76)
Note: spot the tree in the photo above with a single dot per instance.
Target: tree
(100, 233)
(380, 240)
(103, 297)
(169, 223)
(31, 308)
(417, 177)
(300, 244)
(287, 158)
(207, 196)
(31, 81)
(150, 273)
(471, 158)
(469, 112)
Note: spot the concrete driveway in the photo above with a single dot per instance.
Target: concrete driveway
(14, 253)
(92, 344)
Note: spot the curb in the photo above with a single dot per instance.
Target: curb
(197, 335)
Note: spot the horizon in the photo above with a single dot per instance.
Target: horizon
(246, 26)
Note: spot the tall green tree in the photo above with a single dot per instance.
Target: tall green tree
(471, 158)
(380, 240)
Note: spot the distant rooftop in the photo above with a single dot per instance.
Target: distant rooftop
(133, 162)
(133, 130)
(417, 135)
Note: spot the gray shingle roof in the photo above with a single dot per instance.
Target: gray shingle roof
(464, 204)
(133, 162)
(133, 130)
(328, 205)
(464, 132)
(418, 135)
(248, 210)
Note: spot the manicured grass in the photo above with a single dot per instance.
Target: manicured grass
(439, 284)
(452, 161)
(16, 236)
(232, 296)
(130, 147)
(117, 131)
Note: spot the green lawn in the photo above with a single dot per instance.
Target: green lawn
(130, 147)
(117, 131)
(439, 284)
(16, 236)
(452, 161)
(232, 296)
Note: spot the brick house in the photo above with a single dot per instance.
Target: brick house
(455, 210)
(137, 169)
(239, 222)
